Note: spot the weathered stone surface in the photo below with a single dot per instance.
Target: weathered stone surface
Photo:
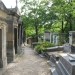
(53, 49)
(69, 66)
(72, 37)
(59, 69)
(11, 35)
(3, 58)
(53, 71)
(69, 48)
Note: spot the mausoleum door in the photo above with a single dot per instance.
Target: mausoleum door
(15, 40)
(1, 63)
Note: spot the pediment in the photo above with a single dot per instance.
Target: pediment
(2, 6)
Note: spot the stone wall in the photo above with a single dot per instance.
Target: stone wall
(11, 35)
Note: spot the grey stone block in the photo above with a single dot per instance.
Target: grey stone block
(59, 69)
(1, 63)
(53, 49)
(63, 68)
(53, 71)
(69, 48)
(69, 66)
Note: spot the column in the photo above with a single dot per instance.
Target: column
(10, 42)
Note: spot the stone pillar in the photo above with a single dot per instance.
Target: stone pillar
(72, 38)
(71, 46)
(10, 42)
(50, 37)
(3, 57)
(53, 39)
(57, 40)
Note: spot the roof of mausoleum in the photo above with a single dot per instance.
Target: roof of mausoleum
(3, 7)
(9, 11)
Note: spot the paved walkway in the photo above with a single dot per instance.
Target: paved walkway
(28, 64)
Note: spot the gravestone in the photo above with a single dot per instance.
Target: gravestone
(72, 38)
(55, 38)
(70, 47)
(66, 63)
(47, 36)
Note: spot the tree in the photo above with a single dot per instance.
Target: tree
(36, 16)
(52, 15)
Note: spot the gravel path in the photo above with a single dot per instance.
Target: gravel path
(28, 64)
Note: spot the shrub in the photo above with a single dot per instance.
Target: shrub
(41, 48)
(47, 44)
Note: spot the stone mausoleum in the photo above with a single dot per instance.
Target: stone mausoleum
(11, 35)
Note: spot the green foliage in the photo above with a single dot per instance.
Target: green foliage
(47, 44)
(42, 47)
(39, 48)
(30, 31)
(51, 15)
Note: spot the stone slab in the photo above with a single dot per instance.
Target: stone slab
(70, 66)
(53, 71)
(63, 68)
(53, 49)
(59, 69)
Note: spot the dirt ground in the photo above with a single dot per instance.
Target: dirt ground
(28, 64)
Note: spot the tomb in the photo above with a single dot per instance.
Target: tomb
(11, 35)
(47, 36)
(51, 37)
(70, 47)
(66, 63)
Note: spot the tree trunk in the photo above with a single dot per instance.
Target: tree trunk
(36, 30)
(62, 26)
(70, 21)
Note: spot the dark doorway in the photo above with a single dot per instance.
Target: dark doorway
(15, 40)
(1, 62)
